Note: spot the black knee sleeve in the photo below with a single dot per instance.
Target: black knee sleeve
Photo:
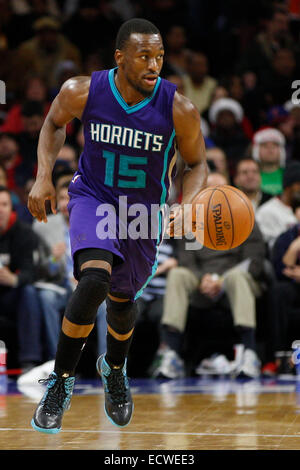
(121, 316)
(90, 292)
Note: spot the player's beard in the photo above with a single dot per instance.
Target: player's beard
(137, 87)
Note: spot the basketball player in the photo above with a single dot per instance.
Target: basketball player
(132, 120)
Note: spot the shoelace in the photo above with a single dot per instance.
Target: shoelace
(116, 384)
(56, 394)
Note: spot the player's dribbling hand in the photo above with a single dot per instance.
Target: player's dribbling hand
(180, 221)
(41, 191)
(175, 225)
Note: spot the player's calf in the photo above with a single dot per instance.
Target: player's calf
(80, 313)
(121, 317)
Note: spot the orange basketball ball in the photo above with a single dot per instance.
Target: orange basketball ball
(226, 217)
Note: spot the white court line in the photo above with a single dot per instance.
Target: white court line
(216, 434)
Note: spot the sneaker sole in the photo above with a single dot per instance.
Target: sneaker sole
(44, 430)
(108, 417)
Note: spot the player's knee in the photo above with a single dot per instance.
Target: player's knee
(91, 291)
(121, 316)
(94, 283)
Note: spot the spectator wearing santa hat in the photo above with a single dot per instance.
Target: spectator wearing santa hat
(269, 151)
(226, 118)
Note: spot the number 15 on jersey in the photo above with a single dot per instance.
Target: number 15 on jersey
(114, 170)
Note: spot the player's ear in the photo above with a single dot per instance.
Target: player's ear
(119, 57)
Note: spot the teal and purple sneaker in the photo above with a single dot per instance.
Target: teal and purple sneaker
(118, 401)
(56, 400)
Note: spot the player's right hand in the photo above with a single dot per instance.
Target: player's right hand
(41, 191)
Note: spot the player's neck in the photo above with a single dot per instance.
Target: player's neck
(128, 93)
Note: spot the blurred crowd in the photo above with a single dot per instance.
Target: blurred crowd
(234, 312)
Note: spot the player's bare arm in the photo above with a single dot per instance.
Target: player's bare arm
(67, 105)
(191, 146)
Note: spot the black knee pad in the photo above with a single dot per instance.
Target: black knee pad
(121, 316)
(91, 291)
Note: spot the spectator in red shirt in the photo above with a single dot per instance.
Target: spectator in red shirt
(35, 90)
(17, 172)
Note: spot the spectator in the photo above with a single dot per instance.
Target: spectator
(68, 155)
(92, 62)
(283, 322)
(3, 182)
(269, 150)
(276, 215)
(55, 276)
(164, 14)
(198, 85)
(150, 304)
(64, 70)
(286, 250)
(56, 234)
(226, 117)
(92, 17)
(245, 91)
(14, 26)
(21, 207)
(17, 245)
(35, 90)
(44, 51)
(33, 118)
(219, 92)
(62, 176)
(259, 56)
(276, 83)
(178, 81)
(17, 170)
(218, 157)
(247, 178)
(3, 177)
(206, 278)
(175, 62)
(290, 127)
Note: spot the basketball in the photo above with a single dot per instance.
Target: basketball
(225, 219)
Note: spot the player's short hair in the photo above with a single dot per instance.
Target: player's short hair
(135, 25)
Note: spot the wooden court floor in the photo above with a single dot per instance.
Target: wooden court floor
(176, 416)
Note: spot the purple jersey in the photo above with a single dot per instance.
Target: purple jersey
(128, 151)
